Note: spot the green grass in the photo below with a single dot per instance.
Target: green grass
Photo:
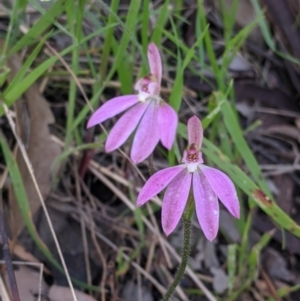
(122, 54)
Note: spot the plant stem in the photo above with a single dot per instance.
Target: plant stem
(185, 250)
(150, 165)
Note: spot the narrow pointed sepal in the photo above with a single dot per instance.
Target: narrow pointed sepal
(157, 183)
(223, 188)
(146, 136)
(175, 200)
(124, 127)
(195, 132)
(154, 60)
(207, 206)
(112, 108)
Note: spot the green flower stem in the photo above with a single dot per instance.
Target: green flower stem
(186, 219)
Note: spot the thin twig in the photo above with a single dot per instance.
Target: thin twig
(132, 207)
(31, 172)
(102, 258)
(82, 226)
(94, 239)
(78, 84)
(270, 285)
(159, 287)
(100, 172)
(6, 254)
(33, 264)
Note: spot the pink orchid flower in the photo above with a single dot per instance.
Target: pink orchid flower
(208, 185)
(154, 119)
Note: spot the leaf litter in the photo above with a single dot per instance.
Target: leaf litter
(275, 142)
(33, 118)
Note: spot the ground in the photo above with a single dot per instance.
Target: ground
(234, 64)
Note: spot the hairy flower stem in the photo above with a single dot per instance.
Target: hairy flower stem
(186, 219)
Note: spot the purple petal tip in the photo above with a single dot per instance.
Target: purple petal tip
(155, 62)
(211, 237)
(156, 183)
(90, 124)
(167, 232)
(195, 132)
(111, 108)
(223, 188)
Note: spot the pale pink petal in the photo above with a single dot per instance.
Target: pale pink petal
(174, 201)
(155, 62)
(142, 83)
(157, 183)
(111, 108)
(207, 206)
(125, 126)
(153, 89)
(195, 132)
(147, 135)
(223, 188)
(142, 86)
(167, 121)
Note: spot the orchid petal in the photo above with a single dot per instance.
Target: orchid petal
(111, 108)
(223, 188)
(195, 132)
(167, 122)
(146, 88)
(207, 206)
(147, 135)
(174, 201)
(125, 126)
(142, 83)
(155, 62)
(153, 89)
(157, 183)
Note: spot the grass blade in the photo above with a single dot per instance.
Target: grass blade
(234, 129)
(37, 30)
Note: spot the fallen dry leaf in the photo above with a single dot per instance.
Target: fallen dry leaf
(220, 280)
(33, 116)
(62, 293)
(4, 295)
(277, 267)
(288, 131)
(21, 252)
(132, 291)
(29, 282)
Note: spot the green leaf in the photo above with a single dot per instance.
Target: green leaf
(37, 30)
(11, 95)
(231, 265)
(234, 129)
(160, 23)
(177, 90)
(14, 84)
